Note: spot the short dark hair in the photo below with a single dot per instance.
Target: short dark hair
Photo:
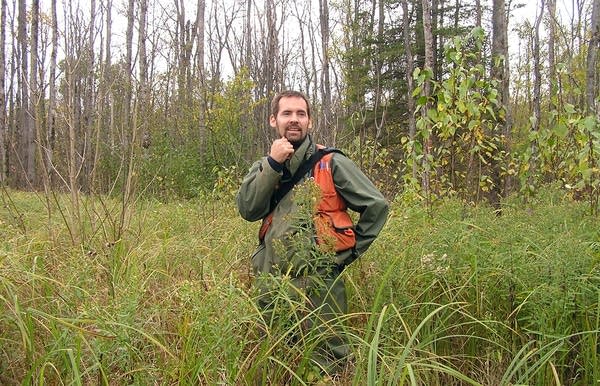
(288, 94)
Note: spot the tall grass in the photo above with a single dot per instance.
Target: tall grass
(460, 298)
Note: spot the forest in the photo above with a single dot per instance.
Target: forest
(127, 125)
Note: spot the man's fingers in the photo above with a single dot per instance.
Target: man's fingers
(281, 150)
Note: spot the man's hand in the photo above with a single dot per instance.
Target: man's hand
(281, 150)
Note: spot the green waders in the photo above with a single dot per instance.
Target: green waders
(318, 304)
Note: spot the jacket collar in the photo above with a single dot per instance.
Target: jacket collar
(304, 151)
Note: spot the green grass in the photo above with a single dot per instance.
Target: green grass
(462, 298)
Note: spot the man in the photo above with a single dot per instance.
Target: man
(314, 268)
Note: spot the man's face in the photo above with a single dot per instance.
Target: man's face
(292, 120)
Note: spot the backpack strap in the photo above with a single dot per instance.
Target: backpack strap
(284, 188)
(304, 168)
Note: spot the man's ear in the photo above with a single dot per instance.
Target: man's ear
(273, 121)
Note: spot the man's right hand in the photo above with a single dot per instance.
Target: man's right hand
(281, 150)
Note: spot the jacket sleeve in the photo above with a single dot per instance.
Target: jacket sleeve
(361, 196)
(254, 197)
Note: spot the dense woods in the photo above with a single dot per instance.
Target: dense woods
(165, 97)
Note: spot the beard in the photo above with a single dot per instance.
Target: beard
(295, 135)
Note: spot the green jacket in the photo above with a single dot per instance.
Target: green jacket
(361, 196)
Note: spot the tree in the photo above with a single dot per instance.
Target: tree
(128, 69)
(46, 158)
(201, 74)
(379, 105)
(325, 83)
(428, 69)
(144, 86)
(409, 81)
(25, 122)
(500, 63)
(592, 81)
(3, 106)
(537, 97)
(89, 107)
(551, 48)
(105, 122)
(248, 35)
(499, 74)
(127, 122)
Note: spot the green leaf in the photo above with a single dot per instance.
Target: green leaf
(590, 123)
(561, 130)
(422, 100)
(569, 108)
(432, 114)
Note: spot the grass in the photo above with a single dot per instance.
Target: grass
(463, 298)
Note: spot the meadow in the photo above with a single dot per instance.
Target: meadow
(452, 296)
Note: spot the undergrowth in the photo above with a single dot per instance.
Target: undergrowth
(460, 297)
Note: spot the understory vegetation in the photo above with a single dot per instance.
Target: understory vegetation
(449, 295)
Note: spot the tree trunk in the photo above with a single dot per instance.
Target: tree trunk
(182, 64)
(24, 125)
(410, 67)
(436, 11)
(128, 122)
(128, 73)
(104, 122)
(551, 49)
(34, 98)
(271, 54)
(89, 107)
(72, 97)
(428, 66)
(379, 109)
(107, 78)
(592, 81)
(3, 105)
(34, 146)
(325, 83)
(144, 87)
(48, 140)
(202, 130)
(248, 36)
(499, 73)
(537, 83)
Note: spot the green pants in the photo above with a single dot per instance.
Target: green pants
(314, 306)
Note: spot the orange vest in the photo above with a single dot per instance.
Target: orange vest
(335, 230)
(334, 227)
